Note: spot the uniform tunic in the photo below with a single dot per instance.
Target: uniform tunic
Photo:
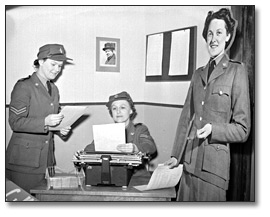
(31, 147)
(223, 101)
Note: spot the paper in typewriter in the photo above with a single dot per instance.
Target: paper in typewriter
(163, 177)
(108, 136)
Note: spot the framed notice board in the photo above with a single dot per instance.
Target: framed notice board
(171, 55)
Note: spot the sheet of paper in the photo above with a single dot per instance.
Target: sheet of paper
(163, 177)
(108, 136)
(71, 115)
(154, 55)
(179, 53)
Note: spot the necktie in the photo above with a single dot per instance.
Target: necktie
(49, 87)
(211, 67)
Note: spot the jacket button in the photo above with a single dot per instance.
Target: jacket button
(218, 147)
(46, 141)
(204, 88)
(220, 92)
(51, 104)
(200, 118)
(202, 102)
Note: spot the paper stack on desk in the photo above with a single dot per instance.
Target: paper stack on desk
(163, 177)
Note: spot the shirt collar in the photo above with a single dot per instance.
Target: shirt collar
(43, 80)
(218, 57)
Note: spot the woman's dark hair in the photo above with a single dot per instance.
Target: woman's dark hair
(36, 63)
(222, 14)
(134, 112)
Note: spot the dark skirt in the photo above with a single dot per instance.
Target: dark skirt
(26, 181)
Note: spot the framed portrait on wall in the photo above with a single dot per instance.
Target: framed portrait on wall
(107, 54)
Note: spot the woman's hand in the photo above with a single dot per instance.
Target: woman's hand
(172, 162)
(205, 131)
(77, 154)
(53, 119)
(128, 148)
(65, 131)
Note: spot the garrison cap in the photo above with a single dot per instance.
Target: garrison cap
(120, 96)
(53, 51)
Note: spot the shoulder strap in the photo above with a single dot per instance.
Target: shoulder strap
(22, 79)
(138, 124)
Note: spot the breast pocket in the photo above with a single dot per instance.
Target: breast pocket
(26, 153)
(220, 98)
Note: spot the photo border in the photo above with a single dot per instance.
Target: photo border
(110, 68)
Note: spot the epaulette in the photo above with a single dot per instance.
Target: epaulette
(22, 79)
(234, 61)
(138, 124)
(201, 68)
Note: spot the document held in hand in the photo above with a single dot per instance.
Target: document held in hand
(163, 177)
(108, 136)
(71, 115)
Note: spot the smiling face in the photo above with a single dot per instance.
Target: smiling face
(121, 111)
(217, 37)
(49, 68)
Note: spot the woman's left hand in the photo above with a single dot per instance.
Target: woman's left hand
(128, 148)
(205, 131)
(65, 131)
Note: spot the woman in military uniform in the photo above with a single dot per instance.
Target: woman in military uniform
(138, 138)
(34, 107)
(216, 112)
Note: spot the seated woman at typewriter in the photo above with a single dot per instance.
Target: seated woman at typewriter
(138, 138)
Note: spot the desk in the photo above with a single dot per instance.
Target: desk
(106, 193)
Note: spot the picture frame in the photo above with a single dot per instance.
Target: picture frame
(107, 54)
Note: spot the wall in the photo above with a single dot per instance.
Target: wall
(76, 28)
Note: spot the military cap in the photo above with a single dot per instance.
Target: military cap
(53, 51)
(120, 96)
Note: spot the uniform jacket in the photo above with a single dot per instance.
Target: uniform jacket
(139, 135)
(31, 147)
(224, 102)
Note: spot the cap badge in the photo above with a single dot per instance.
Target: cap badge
(116, 96)
(60, 50)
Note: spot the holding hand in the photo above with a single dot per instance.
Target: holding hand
(128, 148)
(172, 162)
(65, 131)
(205, 131)
(53, 119)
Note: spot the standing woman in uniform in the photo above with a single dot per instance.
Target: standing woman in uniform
(216, 113)
(34, 107)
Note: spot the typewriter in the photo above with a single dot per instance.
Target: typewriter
(108, 168)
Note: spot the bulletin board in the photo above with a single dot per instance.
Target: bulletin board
(171, 55)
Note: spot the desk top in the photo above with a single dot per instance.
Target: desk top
(111, 191)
